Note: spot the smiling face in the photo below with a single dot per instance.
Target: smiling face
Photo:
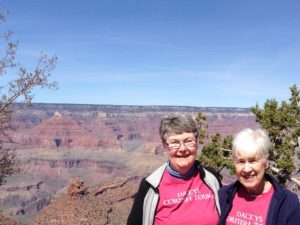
(182, 151)
(250, 170)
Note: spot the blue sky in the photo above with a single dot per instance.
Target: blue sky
(233, 53)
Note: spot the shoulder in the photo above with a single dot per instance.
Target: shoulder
(203, 170)
(291, 198)
(228, 190)
(144, 183)
(210, 174)
(285, 194)
(211, 170)
(227, 187)
(143, 187)
(288, 207)
(136, 213)
(210, 179)
(155, 177)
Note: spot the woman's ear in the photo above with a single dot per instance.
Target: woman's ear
(165, 145)
(267, 164)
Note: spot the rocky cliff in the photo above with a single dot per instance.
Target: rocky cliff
(99, 205)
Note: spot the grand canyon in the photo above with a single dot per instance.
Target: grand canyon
(100, 151)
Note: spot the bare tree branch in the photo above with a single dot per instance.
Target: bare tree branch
(17, 90)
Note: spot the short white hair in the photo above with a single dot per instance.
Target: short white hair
(251, 141)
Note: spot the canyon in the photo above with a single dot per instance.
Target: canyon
(98, 144)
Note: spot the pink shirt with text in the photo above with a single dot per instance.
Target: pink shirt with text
(185, 202)
(249, 209)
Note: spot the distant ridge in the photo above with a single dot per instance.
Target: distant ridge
(130, 108)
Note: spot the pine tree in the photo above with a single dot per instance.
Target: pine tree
(283, 124)
(215, 152)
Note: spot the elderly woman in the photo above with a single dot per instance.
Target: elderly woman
(256, 198)
(181, 191)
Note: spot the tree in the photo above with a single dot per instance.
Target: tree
(214, 153)
(202, 127)
(283, 124)
(17, 89)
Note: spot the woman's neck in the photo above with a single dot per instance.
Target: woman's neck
(176, 174)
(263, 188)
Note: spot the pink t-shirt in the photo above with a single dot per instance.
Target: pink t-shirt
(249, 209)
(185, 202)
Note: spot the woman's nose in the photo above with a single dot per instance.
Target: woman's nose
(247, 167)
(182, 147)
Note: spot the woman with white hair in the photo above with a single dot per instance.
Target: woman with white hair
(256, 198)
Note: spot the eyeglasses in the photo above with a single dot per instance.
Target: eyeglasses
(176, 145)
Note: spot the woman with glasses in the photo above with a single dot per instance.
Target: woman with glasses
(181, 191)
(256, 198)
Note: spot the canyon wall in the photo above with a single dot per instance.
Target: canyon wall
(104, 126)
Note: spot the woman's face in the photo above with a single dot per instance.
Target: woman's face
(182, 151)
(250, 170)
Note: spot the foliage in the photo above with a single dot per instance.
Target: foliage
(283, 124)
(202, 127)
(215, 153)
(17, 88)
(9, 164)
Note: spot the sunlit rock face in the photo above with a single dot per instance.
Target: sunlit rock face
(58, 131)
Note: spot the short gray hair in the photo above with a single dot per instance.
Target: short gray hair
(177, 125)
(256, 141)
